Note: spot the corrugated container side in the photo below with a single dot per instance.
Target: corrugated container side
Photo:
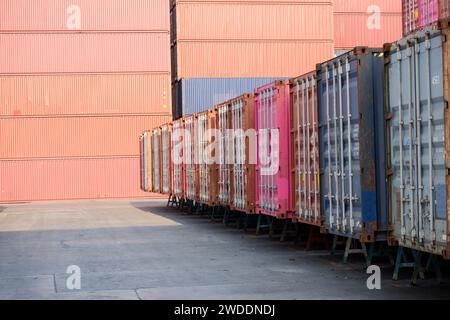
(166, 159)
(249, 59)
(191, 158)
(244, 151)
(198, 95)
(27, 53)
(83, 15)
(178, 154)
(272, 117)
(64, 179)
(143, 161)
(207, 165)
(363, 29)
(423, 14)
(358, 6)
(156, 152)
(418, 135)
(225, 155)
(351, 135)
(305, 150)
(84, 94)
(61, 137)
(242, 20)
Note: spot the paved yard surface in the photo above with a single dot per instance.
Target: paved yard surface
(142, 250)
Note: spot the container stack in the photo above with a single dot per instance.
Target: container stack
(221, 49)
(369, 23)
(77, 88)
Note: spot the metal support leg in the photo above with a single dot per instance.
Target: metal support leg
(349, 250)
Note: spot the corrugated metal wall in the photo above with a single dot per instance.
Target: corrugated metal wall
(78, 85)
(369, 23)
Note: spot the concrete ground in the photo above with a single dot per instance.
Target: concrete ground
(142, 250)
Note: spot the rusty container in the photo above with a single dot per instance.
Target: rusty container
(190, 158)
(273, 170)
(177, 154)
(166, 159)
(207, 162)
(156, 160)
(225, 152)
(305, 150)
(243, 153)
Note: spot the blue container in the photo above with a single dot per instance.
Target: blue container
(200, 94)
(352, 145)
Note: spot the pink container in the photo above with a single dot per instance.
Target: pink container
(421, 14)
(273, 176)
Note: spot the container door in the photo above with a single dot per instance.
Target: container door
(203, 167)
(155, 150)
(239, 172)
(224, 165)
(177, 156)
(417, 136)
(165, 160)
(340, 126)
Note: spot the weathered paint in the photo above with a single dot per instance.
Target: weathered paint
(418, 141)
(190, 158)
(423, 14)
(178, 154)
(225, 151)
(351, 135)
(166, 159)
(272, 118)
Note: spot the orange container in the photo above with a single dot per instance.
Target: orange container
(92, 15)
(243, 173)
(366, 23)
(243, 20)
(33, 95)
(178, 166)
(63, 179)
(207, 162)
(61, 137)
(305, 190)
(190, 158)
(27, 53)
(248, 59)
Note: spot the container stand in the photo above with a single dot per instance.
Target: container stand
(402, 262)
(289, 231)
(172, 202)
(350, 248)
(379, 249)
(268, 225)
(315, 237)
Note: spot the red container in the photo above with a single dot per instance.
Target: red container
(156, 153)
(190, 158)
(84, 15)
(225, 153)
(366, 23)
(145, 162)
(243, 144)
(75, 94)
(62, 137)
(305, 150)
(63, 179)
(207, 164)
(178, 167)
(166, 159)
(423, 14)
(273, 169)
(84, 53)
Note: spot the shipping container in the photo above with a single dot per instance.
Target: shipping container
(273, 168)
(207, 162)
(87, 94)
(166, 159)
(62, 137)
(83, 15)
(423, 14)
(197, 95)
(178, 167)
(225, 152)
(64, 179)
(35, 53)
(244, 150)
(243, 20)
(351, 139)
(144, 162)
(248, 58)
(418, 135)
(190, 157)
(305, 150)
(361, 6)
(156, 152)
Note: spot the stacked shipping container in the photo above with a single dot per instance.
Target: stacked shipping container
(77, 87)
(366, 23)
(423, 14)
(247, 43)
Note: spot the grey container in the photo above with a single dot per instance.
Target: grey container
(418, 146)
(196, 95)
(350, 93)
